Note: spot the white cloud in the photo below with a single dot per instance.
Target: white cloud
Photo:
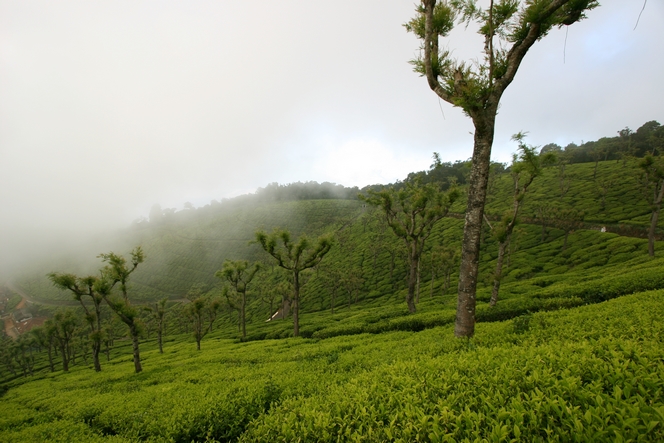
(365, 161)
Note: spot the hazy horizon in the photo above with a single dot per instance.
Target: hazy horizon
(109, 108)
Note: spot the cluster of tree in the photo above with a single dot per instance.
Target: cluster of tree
(646, 140)
(99, 289)
(66, 340)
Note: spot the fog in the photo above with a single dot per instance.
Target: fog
(107, 108)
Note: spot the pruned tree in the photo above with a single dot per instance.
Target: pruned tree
(116, 272)
(544, 215)
(510, 28)
(23, 353)
(158, 316)
(85, 288)
(652, 184)
(352, 281)
(603, 187)
(526, 166)
(6, 354)
(202, 311)
(238, 273)
(294, 256)
(331, 277)
(63, 325)
(567, 219)
(44, 338)
(444, 260)
(412, 211)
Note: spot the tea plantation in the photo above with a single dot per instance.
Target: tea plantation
(593, 373)
(571, 352)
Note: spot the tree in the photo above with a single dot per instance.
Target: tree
(567, 219)
(44, 337)
(526, 166)
(352, 281)
(652, 184)
(294, 256)
(603, 187)
(85, 287)
(412, 212)
(158, 315)
(118, 271)
(239, 274)
(202, 311)
(63, 324)
(510, 28)
(332, 277)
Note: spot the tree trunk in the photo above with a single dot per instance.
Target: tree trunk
(65, 358)
(499, 271)
(653, 220)
(433, 276)
(417, 286)
(160, 341)
(412, 278)
(96, 348)
(50, 358)
(134, 341)
(296, 304)
(470, 248)
(243, 309)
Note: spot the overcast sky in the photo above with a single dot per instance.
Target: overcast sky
(109, 107)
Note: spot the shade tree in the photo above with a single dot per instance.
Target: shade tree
(294, 256)
(412, 211)
(117, 272)
(85, 288)
(238, 274)
(527, 164)
(509, 29)
(651, 180)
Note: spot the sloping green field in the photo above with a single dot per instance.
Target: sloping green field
(593, 373)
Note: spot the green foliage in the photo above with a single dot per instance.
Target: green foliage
(593, 373)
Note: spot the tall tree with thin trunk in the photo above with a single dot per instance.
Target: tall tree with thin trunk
(526, 166)
(294, 256)
(412, 212)
(567, 219)
(652, 182)
(44, 337)
(118, 271)
(510, 28)
(82, 288)
(63, 324)
(239, 274)
(202, 310)
(158, 315)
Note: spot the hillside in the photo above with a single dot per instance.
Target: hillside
(186, 248)
(572, 350)
(590, 374)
